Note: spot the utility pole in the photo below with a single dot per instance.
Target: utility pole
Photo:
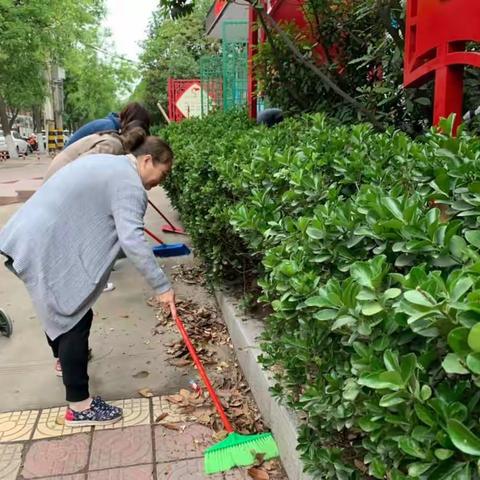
(58, 76)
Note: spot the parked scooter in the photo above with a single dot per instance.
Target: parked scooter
(32, 143)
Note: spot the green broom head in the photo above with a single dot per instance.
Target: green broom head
(239, 451)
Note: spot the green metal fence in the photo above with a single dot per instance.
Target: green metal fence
(211, 83)
(234, 60)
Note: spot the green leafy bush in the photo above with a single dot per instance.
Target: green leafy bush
(366, 246)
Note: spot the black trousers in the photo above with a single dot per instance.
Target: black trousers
(71, 348)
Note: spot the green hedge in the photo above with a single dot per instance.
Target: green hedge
(367, 249)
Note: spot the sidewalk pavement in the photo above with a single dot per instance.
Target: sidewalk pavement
(127, 356)
(34, 444)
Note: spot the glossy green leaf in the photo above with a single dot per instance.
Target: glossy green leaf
(473, 362)
(418, 468)
(326, 314)
(473, 237)
(457, 246)
(411, 447)
(474, 338)
(392, 399)
(392, 293)
(425, 392)
(443, 453)
(383, 380)
(315, 233)
(371, 308)
(451, 364)
(344, 321)
(462, 285)
(366, 295)
(458, 340)
(463, 438)
(417, 298)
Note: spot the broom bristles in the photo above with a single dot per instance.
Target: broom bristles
(239, 451)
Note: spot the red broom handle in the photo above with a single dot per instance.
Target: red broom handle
(148, 232)
(161, 214)
(203, 373)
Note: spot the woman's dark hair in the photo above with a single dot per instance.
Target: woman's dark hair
(157, 148)
(132, 138)
(135, 112)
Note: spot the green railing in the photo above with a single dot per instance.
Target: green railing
(234, 60)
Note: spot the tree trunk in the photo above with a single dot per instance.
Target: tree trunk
(37, 119)
(12, 150)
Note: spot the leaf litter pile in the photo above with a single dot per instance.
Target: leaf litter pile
(190, 275)
(210, 337)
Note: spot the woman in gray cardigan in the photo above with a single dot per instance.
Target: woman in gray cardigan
(63, 243)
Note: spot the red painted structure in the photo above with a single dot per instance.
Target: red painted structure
(281, 11)
(436, 35)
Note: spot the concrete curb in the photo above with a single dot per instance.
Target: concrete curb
(244, 333)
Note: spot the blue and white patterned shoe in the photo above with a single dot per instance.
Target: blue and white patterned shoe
(99, 413)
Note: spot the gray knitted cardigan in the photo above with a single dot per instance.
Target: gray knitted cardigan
(66, 238)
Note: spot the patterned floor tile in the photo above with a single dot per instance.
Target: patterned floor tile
(189, 442)
(184, 470)
(136, 411)
(63, 456)
(121, 447)
(10, 460)
(50, 424)
(139, 472)
(161, 405)
(17, 426)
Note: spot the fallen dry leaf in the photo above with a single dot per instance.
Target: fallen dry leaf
(360, 466)
(145, 392)
(219, 436)
(175, 398)
(185, 393)
(161, 417)
(141, 374)
(60, 420)
(258, 473)
(171, 426)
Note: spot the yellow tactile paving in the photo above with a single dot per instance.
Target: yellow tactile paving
(17, 426)
(51, 424)
(10, 460)
(136, 411)
(162, 405)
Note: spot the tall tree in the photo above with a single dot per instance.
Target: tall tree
(172, 49)
(96, 80)
(34, 33)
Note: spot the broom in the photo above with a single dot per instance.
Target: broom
(170, 228)
(167, 249)
(236, 450)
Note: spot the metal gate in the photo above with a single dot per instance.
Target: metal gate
(235, 63)
(211, 81)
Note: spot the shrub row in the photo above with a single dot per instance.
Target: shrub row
(366, 247)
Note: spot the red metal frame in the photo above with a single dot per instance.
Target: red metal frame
(176, 88)
(281, 11)
(436, 35)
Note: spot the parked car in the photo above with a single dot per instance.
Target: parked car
(21, 145)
